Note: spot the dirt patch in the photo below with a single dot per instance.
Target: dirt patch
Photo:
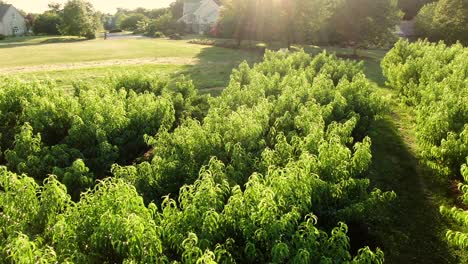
(104, 63)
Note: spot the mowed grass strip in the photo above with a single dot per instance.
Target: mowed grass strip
(73, 60)
(14, 54)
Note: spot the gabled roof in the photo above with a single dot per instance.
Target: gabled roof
(3, 9)
(195, 8)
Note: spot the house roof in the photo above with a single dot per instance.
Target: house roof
(196, 5)
(3, 9)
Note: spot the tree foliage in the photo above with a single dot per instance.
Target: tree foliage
(445, 20)
(411, 7)
(299, 21)
(365, 22)
(44, 131)
(47, 23)
(433, 78)
(79, 19)
(131, 22)
(270, 171)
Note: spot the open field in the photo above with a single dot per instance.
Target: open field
(417, 231)
(69, 59)
(94, 50)
(36, 58)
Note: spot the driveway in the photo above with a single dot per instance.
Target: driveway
(115, 36)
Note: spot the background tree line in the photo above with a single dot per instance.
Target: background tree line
(79, 18)
(146, 21)
(349, 22)
(445, 20)
(75, 18)
(319, 21)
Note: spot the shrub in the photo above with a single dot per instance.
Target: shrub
(260, 129)
(56, 138)
(158, 34)
(2, 37)
(175, 36)
(269, 172)
(208, 42)
(433, 77)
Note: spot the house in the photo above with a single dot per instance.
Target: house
(200, 15)
(12, 22)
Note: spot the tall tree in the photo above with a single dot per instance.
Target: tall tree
(444, 20)
(366, 22)
(79, 19)
(130, 22)
(177, 8)
(302, 18)
(237, 18)
(48, 22)
(411, 7)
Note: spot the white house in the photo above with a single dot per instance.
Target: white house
(200, 15)
(12, 23)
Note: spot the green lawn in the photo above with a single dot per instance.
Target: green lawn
(211, 70)
(94, 50)
(36, 40)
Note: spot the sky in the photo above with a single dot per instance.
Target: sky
(108, 6)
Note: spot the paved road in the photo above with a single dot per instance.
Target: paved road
(115, 36)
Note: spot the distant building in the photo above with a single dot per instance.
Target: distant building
(200, 15)
(12, 22)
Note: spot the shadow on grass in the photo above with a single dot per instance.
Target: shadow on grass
(211, 73)
(215, 64)
(22, 42)
(370, 57)
(414, 230)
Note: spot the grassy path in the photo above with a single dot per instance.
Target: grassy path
(413, 230)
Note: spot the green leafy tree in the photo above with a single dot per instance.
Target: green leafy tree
(165, 24)
(130, 22)
(177, 8)
(424, 22)
(301, 18)
(47, 23)
(237, 19)
(79, 19)
(432, 77)
(411, 8)
(365, 22)
(444, 20)
(268, 172)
